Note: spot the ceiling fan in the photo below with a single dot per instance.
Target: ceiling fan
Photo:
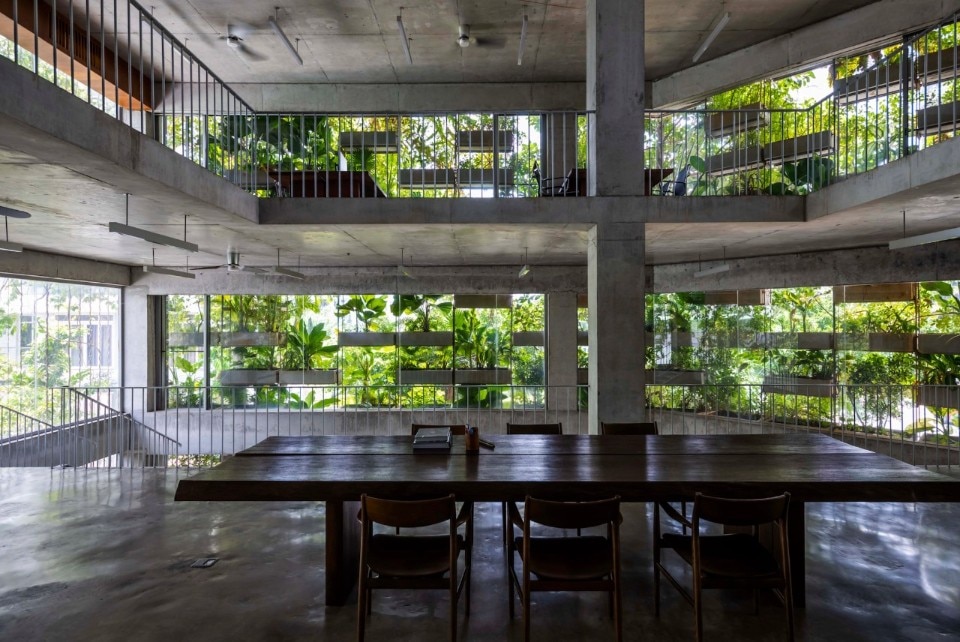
(236, 32)
(464, 39)
(233, 265)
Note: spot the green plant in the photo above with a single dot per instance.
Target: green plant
(365, 309)
(306, 347)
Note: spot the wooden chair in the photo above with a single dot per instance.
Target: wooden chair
(535, 429)
(455, 429)
(413, 561)
(550, 563)
(629, 428)
(735, 560)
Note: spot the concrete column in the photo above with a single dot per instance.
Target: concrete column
(615, 96)
(615, 276)
(139, 348)
(558, 145)
(561, 350)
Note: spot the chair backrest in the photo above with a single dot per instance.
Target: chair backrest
(455, 429)
(535, 429)
(407, 514)
(572, 514)
(740, 512)
(629, 428)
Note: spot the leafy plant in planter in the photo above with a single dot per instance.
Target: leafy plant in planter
(804, 176)
(478, 344)
(306, 347)
(364, 308)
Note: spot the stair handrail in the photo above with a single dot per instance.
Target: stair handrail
(119, 413)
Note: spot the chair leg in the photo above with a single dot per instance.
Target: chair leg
(618, 607)
(361, 607)
(526, 606)
(698, 612)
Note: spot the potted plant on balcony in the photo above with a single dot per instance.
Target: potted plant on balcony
(809, 373)
(425, 352)
(305, 354)
(479, 347)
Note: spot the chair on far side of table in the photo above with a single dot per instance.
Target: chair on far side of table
(732, 560)
(390, 561)
(629, 428)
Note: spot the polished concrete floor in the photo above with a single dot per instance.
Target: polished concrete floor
(105, 555)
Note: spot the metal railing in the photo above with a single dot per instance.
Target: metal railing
(917, 424)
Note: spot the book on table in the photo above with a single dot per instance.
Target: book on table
(432, 439)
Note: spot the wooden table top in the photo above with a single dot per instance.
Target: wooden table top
(562, 445)
(812, 467)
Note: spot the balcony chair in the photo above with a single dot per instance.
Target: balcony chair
(455, 429)
(556, 563)
(390, 561)
(629, 428)
(678, 186)
(637, 428)
(735, 560)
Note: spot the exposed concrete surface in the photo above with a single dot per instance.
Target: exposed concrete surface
(425, 97)
(816, 44)
(104, 555)
(57, 267)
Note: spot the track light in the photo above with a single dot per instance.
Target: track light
(283, 38)
(717, 269)
(7, 245)
(523, 40)
(923, 239)
(153, 268)
(525, 268)
(403, 40)
(293, 274)
(152, 237)
(719, 23)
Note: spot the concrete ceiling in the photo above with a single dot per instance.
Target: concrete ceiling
(358, 41)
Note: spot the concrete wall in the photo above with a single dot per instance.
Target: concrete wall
(56, 267)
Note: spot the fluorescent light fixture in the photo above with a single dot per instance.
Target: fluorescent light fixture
(12, 213)
(523, 40)
(403, 40)
(154, 269)
(524, 271)
(719, 23)
(286, 41)
(152, 237)
(293, 274)
(923, 239)
(717, 269)
(6, 245)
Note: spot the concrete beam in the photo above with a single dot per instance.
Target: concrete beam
(384, 280)
(814, 45)
(578, 212)
(57, 267)
(413, 98)
(841, 267)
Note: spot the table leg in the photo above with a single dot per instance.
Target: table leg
(342, 550)
(797, 542)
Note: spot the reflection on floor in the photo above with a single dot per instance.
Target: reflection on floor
(94, 555)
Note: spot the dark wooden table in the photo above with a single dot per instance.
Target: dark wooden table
(337, 469)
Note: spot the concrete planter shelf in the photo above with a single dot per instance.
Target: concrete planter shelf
(436, 377)
(247, 377)
(477, 140)
(249, 339)
(521, 339)
(938, 396)
(879, 293)
(938, 344)
(891, 342)
(309, 377)
(367, 339)
(800, 386)
(483, 301)
(671, 377)
(413, 339)
(186, 339)
(483, 376)
(873, 83)
(736, 121)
